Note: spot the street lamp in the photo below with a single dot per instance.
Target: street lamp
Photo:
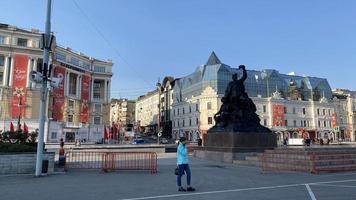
(159, 86)
(264, 75)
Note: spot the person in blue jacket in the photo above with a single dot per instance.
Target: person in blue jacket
(183, 165)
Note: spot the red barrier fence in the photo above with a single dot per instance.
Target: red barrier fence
(107, 161)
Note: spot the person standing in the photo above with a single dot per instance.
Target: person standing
(183, 165)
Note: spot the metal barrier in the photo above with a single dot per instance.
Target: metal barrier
(107, 161)
(333, 162)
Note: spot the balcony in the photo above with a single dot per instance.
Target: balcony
(73, 125)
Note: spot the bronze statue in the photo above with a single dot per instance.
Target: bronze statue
(237, 112)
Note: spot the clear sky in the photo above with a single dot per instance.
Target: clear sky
(155, 38)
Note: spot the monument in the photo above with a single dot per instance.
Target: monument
(237, 129)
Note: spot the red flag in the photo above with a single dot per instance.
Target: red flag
(105, 133)
(12, 129)
(25, 128)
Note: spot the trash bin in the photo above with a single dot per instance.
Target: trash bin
(44, 166)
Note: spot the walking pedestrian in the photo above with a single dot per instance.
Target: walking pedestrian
(183, 165)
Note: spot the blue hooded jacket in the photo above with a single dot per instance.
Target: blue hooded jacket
(182, 154)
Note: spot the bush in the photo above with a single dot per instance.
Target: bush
(9, 148)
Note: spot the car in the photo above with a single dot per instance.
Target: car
(164, 141)
(138, 141)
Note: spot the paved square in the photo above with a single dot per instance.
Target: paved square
(212, 180)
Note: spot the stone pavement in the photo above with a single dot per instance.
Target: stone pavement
(212, 180)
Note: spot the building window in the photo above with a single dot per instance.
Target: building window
(97, 108)
(97, 120)
(71, 104)
(324, 113)
(86, 65)
(305, 123)
(324, 123)
(294, 110)
(74, 61)
(295, 123)
(54, 135)
(319, 123)
(178, 111)
(190, 122)
(70, 118)
(190, 109)
(196, 121)
(265, 122)
(210, 120)
(99, 69)
(183, 111)
(329, 112)
(264, 108)
(2, 39)
(183, 122)
(73, 84)
(318, 111)
(304, 111)
(2, 61)
(301, 123)
(308, 123)
(208, 105)
(1, 78)
(196, 107)
(22, 42)
(329, 123)
(97, 87)
(285, 110)
(285, 122)
(61, 56)
(174, 112)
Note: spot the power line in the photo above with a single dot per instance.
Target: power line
(107, 41)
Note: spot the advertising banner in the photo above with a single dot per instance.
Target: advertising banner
(19, 79)
(278, 115)
(84, 108)
(58, 100)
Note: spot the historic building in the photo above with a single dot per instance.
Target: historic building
(122, 112)
(146, 111)
(293, 106)
(77, 109)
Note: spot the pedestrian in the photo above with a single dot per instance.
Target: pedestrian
(183, 165)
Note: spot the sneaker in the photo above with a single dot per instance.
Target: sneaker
(190, 189)
(181, 189)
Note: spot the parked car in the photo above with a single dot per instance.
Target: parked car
(164, 141)
(138, 141)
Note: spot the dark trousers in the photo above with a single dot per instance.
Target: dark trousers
(181, 168)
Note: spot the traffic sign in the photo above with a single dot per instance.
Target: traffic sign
(159, 134)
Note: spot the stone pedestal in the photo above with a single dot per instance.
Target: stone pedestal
(228, 146)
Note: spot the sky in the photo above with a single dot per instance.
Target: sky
(151, 39)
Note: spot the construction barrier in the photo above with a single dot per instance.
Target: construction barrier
(108, 161)
(309, 161)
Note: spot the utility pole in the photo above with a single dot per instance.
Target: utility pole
(42, 116)
(159, 112)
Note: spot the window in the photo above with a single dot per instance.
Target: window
(71, 104)
(190, 122)
(210, 120)
(308, 123)
(99, 69)
(319, 124)
(97, 120)
(196, 107)
(190, 109)
(285, 122)
(324, 123)
(265, 122)
(70, 118)
(196, 121)
(74, 61)
(1, 78)
(178, 111)
(285, 110)
(305, 123)
(174, 112)
(183, 111)
(2, 39)
(86, 65)
(61, 56)
(329, 112)
(54, 135)
(97, 85)
(22, 42)
(2, 61)
(208, 105)
(301, 123)
(39, 64)
(304, 111)
(329, 123)
(73, 84)
(97, 107)
(323, 111)
(295, 123)
(318, 111)
(183, 123)
(294, 110)
(264, 108)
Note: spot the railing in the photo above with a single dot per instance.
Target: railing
(108, 161)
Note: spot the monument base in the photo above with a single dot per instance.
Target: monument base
(229, 146)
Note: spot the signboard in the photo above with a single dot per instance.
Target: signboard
(19, 80)
(84, 108)
(58, 100)
(278, 115)
(333, 120)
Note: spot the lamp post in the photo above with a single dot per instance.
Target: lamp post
(264, 75)
(159, 111)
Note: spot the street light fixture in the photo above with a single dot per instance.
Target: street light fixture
(19, 93)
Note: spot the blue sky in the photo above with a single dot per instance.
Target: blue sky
(155, 38)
